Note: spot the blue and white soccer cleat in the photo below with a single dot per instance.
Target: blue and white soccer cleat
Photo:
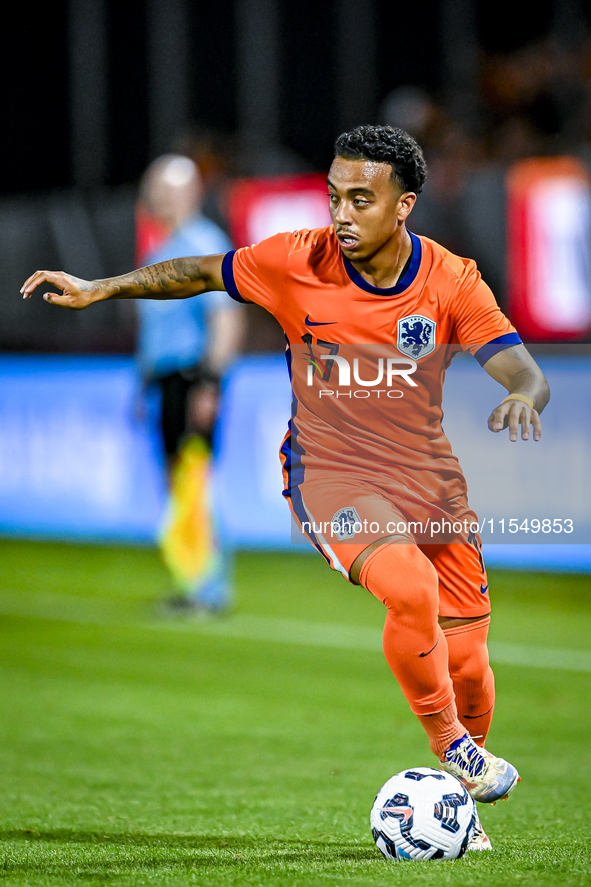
(485, 778)
(479, 840)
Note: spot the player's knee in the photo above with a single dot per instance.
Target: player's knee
(471, 672)
(403, 579)
(468, 654)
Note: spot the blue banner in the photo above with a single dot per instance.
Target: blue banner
(80, 457)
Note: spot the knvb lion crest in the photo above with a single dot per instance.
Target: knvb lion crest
(416, 336)
(346, 523)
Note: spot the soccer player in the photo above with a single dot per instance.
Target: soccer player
(368, 470)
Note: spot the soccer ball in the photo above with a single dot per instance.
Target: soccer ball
(423, 814)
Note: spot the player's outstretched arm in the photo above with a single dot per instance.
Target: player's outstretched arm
(174, 279)
(528, 390)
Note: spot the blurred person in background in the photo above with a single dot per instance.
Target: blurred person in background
(452, 154)
(184, 346)
(214, 152)
(533, 99)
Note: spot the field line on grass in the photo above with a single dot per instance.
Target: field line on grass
(348, 637)
(264, 629)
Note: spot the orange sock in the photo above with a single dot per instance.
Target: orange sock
(442, 729)
(415, 647)
(472, 677)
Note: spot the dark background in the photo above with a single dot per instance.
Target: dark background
(93, 90)
(36, 146)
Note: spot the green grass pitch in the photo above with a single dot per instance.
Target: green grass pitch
(136, 749)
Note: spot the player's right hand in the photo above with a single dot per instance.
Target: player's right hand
(511, 414)
(76, 293)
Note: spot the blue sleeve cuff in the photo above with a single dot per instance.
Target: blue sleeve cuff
(499, 344)
(228, 277)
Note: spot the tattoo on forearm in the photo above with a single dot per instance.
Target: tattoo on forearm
(176, 275)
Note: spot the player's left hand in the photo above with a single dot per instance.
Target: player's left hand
(513, 413)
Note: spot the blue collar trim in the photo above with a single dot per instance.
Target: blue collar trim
(403, 283)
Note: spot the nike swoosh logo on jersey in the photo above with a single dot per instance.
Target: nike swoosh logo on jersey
(483, 589)
(309, 322)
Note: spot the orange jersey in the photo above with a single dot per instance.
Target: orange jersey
(368, 363)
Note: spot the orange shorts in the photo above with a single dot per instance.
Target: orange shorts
(341, 514)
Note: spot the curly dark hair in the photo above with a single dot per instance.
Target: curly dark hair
(386, 144)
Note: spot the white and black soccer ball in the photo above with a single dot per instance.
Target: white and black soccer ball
(423, 813)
